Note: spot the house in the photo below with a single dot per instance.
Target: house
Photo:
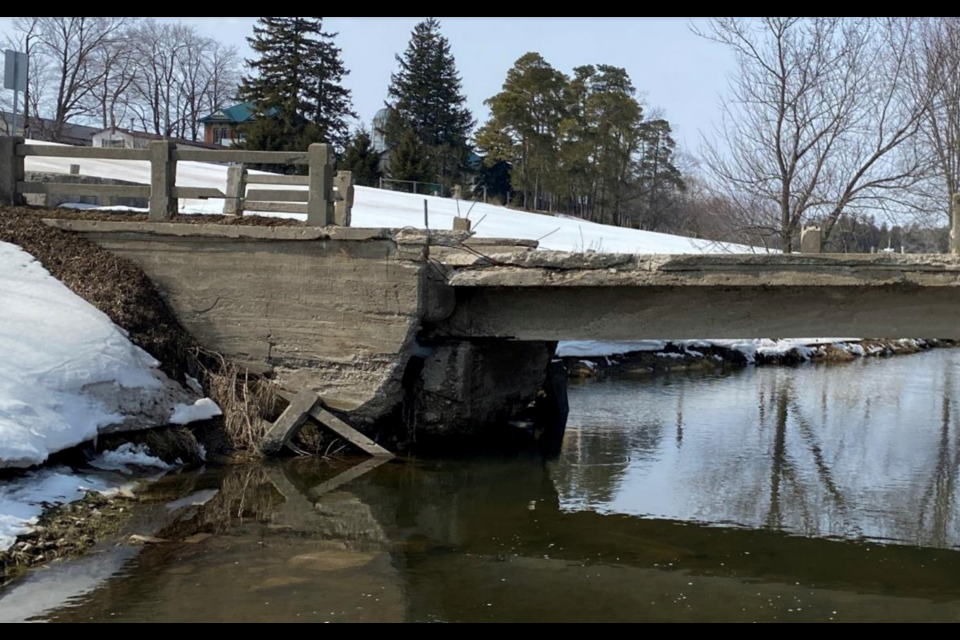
(74, 134)
(222, 127)
(118, 138)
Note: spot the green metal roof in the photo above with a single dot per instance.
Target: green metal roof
(237, 114)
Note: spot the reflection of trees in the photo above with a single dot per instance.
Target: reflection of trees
(941, 491)
(596, 459)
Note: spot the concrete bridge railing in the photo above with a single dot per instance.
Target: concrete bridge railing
(320, 201)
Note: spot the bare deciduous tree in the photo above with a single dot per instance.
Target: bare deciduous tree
(937, 71)
(816, 123)
(69, 45)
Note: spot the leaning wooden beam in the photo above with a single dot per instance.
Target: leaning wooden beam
(348, 433)
(307, 404)
(290, 422)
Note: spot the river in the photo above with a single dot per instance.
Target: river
(816, 494)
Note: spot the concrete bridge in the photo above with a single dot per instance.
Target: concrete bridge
(448, 333)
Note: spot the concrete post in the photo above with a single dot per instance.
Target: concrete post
(236, 190)
(462, 224)
(11, 170)
(320, 210)
(811, 240)
(457, 192)
(343, 211)
(955, 225)
(163, 177)
(74, 169)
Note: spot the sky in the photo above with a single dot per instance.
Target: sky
(673, 69)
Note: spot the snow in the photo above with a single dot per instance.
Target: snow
(594, 349)
(381, 208)
(128, 455)
(22, 500)
(203, 409)
(61, 357)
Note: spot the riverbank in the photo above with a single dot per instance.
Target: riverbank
(592, 360)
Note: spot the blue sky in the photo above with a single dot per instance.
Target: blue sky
(673, 69)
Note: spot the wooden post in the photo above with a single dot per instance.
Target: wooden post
(955, 225)
(163, 178)
(343, 211)
(236, 190)
(811, 240)
(320, 211)
(11, 170)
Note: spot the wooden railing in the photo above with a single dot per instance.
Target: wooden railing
(322, 204)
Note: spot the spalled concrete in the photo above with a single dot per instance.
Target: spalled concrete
(465, 384)
(560, 296)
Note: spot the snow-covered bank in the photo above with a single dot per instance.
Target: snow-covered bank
(586, 359)
(749, 348)
(68, 373)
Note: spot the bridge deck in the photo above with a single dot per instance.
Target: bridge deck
(555, 269)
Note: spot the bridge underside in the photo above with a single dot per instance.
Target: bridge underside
(689, 313)
(549, 296)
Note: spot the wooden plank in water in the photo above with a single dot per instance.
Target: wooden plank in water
(288, 424)
(347, 432)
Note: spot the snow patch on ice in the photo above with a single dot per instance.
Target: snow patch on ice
(24, 499)
(126, 456)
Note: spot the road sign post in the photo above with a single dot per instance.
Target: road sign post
(15, 78)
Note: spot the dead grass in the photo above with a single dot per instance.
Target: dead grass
(249, 403)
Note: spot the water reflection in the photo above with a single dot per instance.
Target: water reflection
(866, 450)
(751, 496)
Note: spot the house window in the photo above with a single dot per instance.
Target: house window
(216, 136)
(113, 144)
(243, 137)
(226, 134)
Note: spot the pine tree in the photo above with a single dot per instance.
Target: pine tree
(426, 96)
(296, 79)
(329, 101)
(361, 158)
(408, 160)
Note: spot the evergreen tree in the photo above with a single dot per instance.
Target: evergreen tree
(524, 126)
(295, 79)
(361, 158)
(329, 101)
(408, 160)
(493, 180)
(426, 96)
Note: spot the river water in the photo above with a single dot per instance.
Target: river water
(818, 493)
